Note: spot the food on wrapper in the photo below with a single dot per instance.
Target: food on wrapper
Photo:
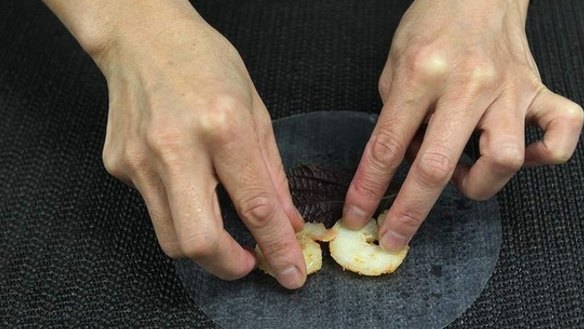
(311, 250)
(319, 194)
(357, 251)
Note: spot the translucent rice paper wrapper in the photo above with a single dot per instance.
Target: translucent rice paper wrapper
(451, 257)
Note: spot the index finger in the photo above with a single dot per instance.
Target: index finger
(239, 163)
(398, 122)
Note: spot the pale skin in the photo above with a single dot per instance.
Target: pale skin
(184, 115)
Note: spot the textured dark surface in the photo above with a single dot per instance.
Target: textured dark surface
(449, 262)
(76, 247)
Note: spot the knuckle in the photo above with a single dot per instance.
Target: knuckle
(575, 114)
(199, 246)
(164, 138)
(134, 158)
(426, 63)
(480, 72)
(171, 249)
(383, 86)
(220, 117)
(257, 210)
(279, 249)
(508, 158)
(112, 163)
(386, 151)
(435, 168)
(368, 187)
(410, 221)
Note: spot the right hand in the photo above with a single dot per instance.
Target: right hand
(183, 116)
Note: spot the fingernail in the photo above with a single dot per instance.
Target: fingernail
(392, 241)
(354, 215)
(291, 278)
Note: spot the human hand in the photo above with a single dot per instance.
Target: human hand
(183, 116)
(459, 66)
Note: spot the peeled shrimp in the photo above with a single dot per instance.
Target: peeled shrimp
(307, 238)
(356, 250)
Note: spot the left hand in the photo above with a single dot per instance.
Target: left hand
(458, 65)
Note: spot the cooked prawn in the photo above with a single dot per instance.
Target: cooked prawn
(356, 250)
(311, 250)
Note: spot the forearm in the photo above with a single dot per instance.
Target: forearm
(98, 24)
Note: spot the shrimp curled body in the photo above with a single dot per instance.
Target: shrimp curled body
(354, 250)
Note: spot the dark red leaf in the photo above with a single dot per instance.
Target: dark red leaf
(319, 192)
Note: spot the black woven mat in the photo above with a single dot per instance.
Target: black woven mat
(77, 248)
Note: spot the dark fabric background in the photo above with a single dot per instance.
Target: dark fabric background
(77, 248)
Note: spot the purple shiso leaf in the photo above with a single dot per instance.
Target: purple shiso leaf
(319, 192)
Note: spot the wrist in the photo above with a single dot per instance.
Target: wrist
(523, 5)
(100, 26)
